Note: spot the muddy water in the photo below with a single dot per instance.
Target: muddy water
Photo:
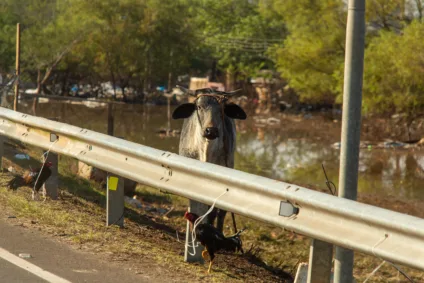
(292, 149)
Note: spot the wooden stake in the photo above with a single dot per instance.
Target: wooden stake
(110, 119)
(18, 53)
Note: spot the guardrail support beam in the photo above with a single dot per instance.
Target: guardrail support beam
(115, 201)
(51, 186)
(200, 209)
(320, 261)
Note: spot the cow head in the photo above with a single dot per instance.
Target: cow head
(209, 110)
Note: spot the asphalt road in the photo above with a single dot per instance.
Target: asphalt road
(11, 273)
(52, 261)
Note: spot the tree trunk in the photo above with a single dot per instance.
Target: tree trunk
(64, 83)
(229, 80)
(34, 106)
(170, 70)
(170, 81)
(38, 82)
(213, 71)
(113, 83)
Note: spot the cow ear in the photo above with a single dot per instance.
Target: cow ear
(234, 111)
(183, 111)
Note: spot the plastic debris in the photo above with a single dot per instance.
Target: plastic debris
(394, 144)
(149, 208)
(273, 121)
(133, 202)
(25, 255)
(337, 145)
(162, 210)
(21, 156)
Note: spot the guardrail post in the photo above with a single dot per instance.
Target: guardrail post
(189, 256)
(320, 260)
(51, 186)
(115, 201)
(52, 183)
(115, 187)
(351, 124)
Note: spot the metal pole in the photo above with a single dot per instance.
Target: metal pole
(18, 54)
(351, 126)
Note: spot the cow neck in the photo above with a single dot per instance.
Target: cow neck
(221, 101)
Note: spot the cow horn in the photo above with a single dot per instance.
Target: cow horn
(187, 91)
(230, 93)
(204, 90)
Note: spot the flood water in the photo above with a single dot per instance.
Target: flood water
(291, 150)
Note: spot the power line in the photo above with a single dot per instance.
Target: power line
(243, 39)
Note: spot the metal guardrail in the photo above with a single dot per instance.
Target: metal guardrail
(383, 233)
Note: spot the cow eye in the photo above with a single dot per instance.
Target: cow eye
(199, 107)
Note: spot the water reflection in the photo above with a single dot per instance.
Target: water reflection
(292, 152)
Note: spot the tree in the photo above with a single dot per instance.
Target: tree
(385, 14)
(238, 35)
(49, 32)
(7, 38)
(394, 71)
(314, 49)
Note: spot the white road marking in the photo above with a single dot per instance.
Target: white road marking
(50, 277)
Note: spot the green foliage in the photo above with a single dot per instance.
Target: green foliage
(394, 71)
(314, 49)
(385, 14)
(238, 32)
(7, 37)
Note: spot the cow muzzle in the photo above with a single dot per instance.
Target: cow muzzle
(211, 133)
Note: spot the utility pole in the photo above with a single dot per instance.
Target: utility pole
(351, 124)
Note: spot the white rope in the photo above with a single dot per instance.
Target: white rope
(374, 271)
(197, 222)
(378, 243)
(384, 261)
(45, 155)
